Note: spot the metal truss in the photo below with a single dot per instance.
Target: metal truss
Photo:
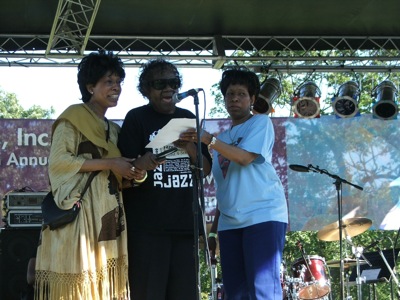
(72, 25)
(70, 39)
(66, 45)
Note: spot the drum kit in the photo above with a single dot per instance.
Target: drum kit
(310, 273)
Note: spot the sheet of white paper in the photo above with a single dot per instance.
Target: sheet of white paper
(171, 132)
(370, 274)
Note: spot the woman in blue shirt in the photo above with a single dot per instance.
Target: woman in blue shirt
(250, 196)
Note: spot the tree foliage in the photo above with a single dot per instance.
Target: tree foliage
(10, 108)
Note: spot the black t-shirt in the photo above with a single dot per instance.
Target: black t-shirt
(163, 203)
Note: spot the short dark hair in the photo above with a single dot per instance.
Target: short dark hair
(96, 65)
(240, 76)
(149, 69)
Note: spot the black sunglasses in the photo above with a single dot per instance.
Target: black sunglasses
(160, 84)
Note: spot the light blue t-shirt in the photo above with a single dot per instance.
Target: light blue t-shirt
(251, 194)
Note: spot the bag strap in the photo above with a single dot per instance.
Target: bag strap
(88, 147)
(88, 182)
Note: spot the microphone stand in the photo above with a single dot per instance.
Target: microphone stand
(198, 194)
(338, 184)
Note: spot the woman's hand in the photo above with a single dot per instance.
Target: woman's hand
(139, 175)
(187, 140)
(190, 135)
(123, 166)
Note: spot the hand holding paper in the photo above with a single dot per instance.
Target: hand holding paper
(170, 132)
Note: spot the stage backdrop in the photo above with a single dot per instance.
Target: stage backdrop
(361, 150)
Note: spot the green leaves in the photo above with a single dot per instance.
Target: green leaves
(11, 109)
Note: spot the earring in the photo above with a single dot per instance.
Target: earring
(91, 92)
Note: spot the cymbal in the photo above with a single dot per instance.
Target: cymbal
(347, 263)
(350, 227)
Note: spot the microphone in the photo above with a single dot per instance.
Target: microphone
(176, 98)
(372, 245)
(299, 168)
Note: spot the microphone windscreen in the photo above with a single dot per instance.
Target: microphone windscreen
(175, 98)
(299, 168)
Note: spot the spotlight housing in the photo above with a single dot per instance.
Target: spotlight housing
(345, 103)
(306, 101)
(385, 106)
(270, 90)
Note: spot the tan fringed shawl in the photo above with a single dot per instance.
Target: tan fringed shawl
(86, 259)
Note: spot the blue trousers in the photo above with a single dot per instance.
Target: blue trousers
(250, 260)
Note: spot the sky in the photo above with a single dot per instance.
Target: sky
(57, 87)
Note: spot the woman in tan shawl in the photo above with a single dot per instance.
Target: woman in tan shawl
(87, 259)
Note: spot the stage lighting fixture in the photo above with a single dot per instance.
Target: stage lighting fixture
(345, 103)
(269, 91)
(385, 106)
(306, 101)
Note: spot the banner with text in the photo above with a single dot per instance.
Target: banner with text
(362, 151)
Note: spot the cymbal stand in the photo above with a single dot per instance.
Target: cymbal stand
(358, 252)
(338, 184)
(347, 241)
(348, 297)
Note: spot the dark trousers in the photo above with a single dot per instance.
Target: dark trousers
(161, 267)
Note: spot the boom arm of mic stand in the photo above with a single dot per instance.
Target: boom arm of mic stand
(321, 171)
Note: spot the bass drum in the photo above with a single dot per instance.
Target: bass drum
(313, 277)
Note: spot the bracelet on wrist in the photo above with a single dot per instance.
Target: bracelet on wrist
(141, 180)
(212, 141)
(212, 235)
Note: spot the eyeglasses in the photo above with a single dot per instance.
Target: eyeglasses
(160, 84)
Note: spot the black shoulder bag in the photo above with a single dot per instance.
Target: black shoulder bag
(55, 217)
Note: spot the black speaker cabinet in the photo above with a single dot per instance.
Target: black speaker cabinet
(17, 246)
